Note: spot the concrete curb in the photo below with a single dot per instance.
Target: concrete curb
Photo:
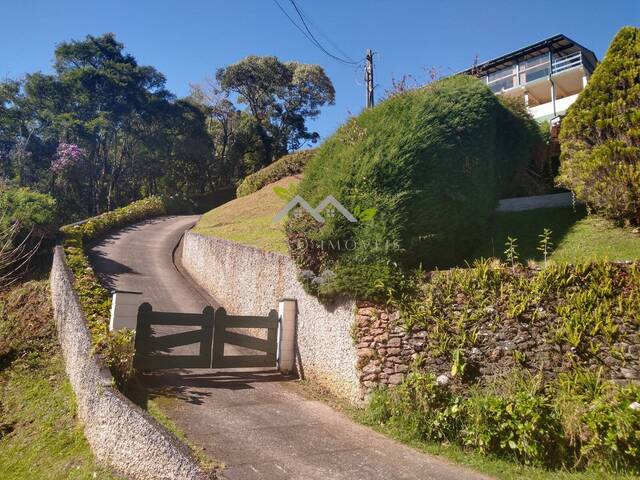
(121, 434)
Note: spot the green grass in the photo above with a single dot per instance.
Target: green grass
(576, 236)
(487, 464)
(248, 220)
(39, 435)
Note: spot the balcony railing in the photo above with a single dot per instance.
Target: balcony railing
(531, 70)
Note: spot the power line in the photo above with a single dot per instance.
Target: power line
(319, 31)
(310, 36)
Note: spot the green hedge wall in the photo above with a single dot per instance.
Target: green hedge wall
(432, 162)
(285, 166)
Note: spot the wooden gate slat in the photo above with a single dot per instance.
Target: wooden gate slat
(234, 338)
(165, 342)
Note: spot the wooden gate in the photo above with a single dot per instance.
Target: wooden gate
(217, 328)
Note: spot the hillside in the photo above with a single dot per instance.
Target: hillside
(39, 435)
(248, 220)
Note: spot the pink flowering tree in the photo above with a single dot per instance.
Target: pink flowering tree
(67, 156)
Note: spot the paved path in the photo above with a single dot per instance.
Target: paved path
(256, 422)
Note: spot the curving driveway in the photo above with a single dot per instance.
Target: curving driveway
(259, 424)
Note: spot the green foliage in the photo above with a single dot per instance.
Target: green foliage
(288, 165)
(511, 251)
(32, 210)
(545, 245)
(280, 96)
(600, 136)
(432, 162)
(116, 348)
(586, 306)
(129, 137)
(575, 422)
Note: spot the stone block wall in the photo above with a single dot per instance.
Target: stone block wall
(121, 434)
(386, 351)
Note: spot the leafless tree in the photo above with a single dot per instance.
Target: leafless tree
(15, 254)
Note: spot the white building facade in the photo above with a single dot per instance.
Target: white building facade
(547, 75)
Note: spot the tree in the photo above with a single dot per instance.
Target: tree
(281, 97)
(600, 136)
(101, 131)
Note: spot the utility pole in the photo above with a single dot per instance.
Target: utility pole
(368, 77)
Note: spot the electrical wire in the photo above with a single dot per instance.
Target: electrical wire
(306, 31)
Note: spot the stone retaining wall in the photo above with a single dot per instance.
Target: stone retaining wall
(249, 281)
(386, 351)
(121, 434)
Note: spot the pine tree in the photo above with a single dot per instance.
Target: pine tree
(600, 136)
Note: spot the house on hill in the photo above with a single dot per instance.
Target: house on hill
(548, 75)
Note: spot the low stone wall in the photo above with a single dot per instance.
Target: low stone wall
(249, 281)
(386, 350)
(535, 202)
(121, 434)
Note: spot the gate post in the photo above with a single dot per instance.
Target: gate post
(287, 316)
(124, 309)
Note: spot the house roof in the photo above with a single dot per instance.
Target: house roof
(558, 43)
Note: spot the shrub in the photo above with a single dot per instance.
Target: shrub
(432, 163)
(576, 422)
(32, 210)
(116, 348)
(283, 167)
(600, 137)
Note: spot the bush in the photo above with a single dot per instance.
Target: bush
(32, 210)
(431, 162)
(600, 138)
(283, 167)
(565, 424)
(116, 348)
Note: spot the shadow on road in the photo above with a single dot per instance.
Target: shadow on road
(192, 387)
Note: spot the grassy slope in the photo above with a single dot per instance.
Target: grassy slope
(576, 236)
(39, 435)
(248, 220)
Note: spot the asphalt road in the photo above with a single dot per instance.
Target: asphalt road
(259, 424)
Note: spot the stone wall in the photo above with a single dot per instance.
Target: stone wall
(121, 435)
(249, 281)
(386, 351)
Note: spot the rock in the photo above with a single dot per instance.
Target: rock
(393, 351)
(382, 338)
(400, 368)
(634, 406)
(476, 351)
(365, 353)
(629, 373)
(442, 380)
(396, 379)
(394, 342)
(371, 368)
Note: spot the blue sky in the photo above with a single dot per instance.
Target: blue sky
(188, 40)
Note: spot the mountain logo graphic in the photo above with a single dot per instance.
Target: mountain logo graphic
(330, 200)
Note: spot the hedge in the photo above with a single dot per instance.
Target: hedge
(432, 163)
(600, 136)
(285, 166)
(116, 347)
